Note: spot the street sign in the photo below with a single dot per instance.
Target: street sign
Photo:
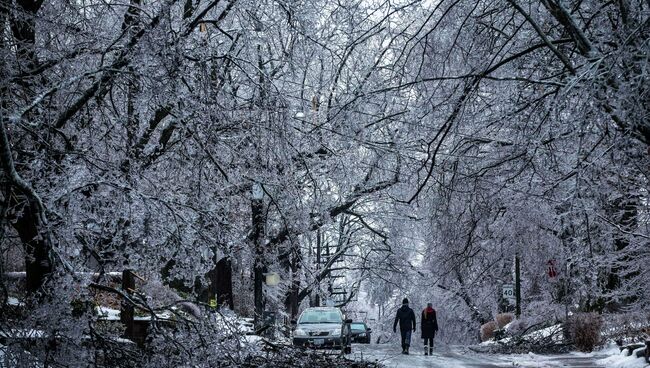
(258, 191)
(508, 291)
(272, 278)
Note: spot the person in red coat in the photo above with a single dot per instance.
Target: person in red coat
(429, 327)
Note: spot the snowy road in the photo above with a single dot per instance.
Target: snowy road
(459, 357)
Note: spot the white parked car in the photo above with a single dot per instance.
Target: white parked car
(322, 327)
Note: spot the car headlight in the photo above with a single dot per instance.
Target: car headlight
(299, 332)
(362, 335)
(336, 332)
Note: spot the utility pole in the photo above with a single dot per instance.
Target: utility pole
(259, 268)
(517, 288)
(318, 264)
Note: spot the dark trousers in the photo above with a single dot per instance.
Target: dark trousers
(428, 343)
(406, 338)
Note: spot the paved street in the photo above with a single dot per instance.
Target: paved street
(574, 361)
(459, 357)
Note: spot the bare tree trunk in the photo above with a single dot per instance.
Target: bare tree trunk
(36, 245)
(223, 283)
(127, 311)
(259, 267)
(31, 222)
(24, 32)
(292, 301)
(625, 212)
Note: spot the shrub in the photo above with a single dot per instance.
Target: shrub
(627, 328)
(504, 318)
(584, 329)
(487, 330)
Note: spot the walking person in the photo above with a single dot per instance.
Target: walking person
(429, 327)
(406, 318)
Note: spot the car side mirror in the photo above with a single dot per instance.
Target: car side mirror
(369, 329)
(294, 322)
(349, 320)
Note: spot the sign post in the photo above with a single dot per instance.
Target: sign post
(517, 288)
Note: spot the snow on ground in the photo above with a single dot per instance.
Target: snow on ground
(110, 314)
(451, 356)
(107, 314)
(252, 339)
(13, 301)
(618, 359)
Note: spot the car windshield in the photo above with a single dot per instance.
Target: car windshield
(320, 316)
(358, 327)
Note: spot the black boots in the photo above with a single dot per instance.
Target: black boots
(405, 350)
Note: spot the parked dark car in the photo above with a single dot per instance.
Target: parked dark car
(361, 332)
(320, 327)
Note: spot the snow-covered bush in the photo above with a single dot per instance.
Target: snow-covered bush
(627, 328)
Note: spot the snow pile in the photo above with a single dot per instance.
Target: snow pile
(618, 359)
(14, 302)
(111, 314)
(107, 314)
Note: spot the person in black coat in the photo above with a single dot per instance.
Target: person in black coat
(406, 318)
(429, 327)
